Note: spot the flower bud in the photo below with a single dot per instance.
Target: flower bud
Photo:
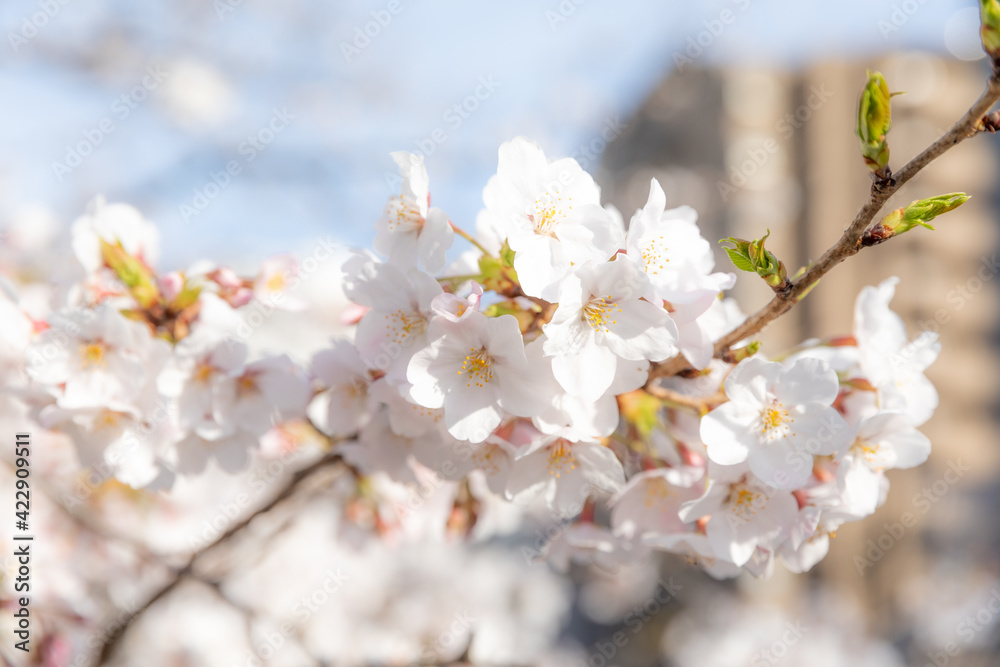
(919, 212)
(751, 256)
(133, 273)
(874, 123)
(171, 285)
(226, 278)
(241, 297)
(739, 354)
(989, 32)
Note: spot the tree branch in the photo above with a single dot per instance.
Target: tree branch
(329, 460)
(850, 243)
(699, 404)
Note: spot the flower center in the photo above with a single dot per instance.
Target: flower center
(478, 367)
(657, 491)
(204, 372)
(744, 501)
(548, 213)
(401, 324)
(870, 452)
(356, 387)
(403, 215)
(561, 458)
(246, 384)
(275, 283)
(92, 355)
(487, 458)
(775, 421)
(107, 421)
(598, 313)
(654, 256)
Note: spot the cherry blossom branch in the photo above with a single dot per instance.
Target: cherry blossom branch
(850, 243)
(293, 484)
(700, 404)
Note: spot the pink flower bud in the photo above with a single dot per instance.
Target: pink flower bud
(171, 285)
(241, 297)
(352, 314)
(226, 278)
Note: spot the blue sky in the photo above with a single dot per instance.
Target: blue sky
(555, 71)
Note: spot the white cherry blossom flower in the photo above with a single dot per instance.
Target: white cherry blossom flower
(278, 275)
(602, 319)
(453, 307)
(810, 539)
(551, 215)
(113, 223)
(201, 377)
(406, 418)
(777, 419)
(343, 407)
(574, 417)
(669, 247)
(268, 391)
(696, 549)
(892, 364)
(96, 358)
(400, 309)
(231, 452)
(494, 457)
(566, 473)
(585, 543)
(475, 369)
(379, 449)
(650, 501)
(409, 230)
(885, 441)
(701, 323)
(744, 512)
(125, 444)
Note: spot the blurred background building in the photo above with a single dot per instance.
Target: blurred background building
(756, 148)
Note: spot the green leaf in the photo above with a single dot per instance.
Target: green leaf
(506, 256)
(739, 261)
(921, 212)
(187, 297)
(874, 121)
(752, 256)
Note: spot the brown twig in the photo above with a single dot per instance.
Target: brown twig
(850, 243)
(294, 482)
(700, 404)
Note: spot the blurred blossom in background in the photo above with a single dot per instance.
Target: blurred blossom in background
(248, 129)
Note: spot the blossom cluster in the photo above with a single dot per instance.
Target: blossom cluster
(519, 372)
(145, 372)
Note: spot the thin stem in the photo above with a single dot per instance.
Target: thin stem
(850, 243)
(700, 404)
(460, 279)
(468, 237)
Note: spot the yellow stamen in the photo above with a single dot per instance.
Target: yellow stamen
(92, 355)
(598, 313)
(478, 365)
